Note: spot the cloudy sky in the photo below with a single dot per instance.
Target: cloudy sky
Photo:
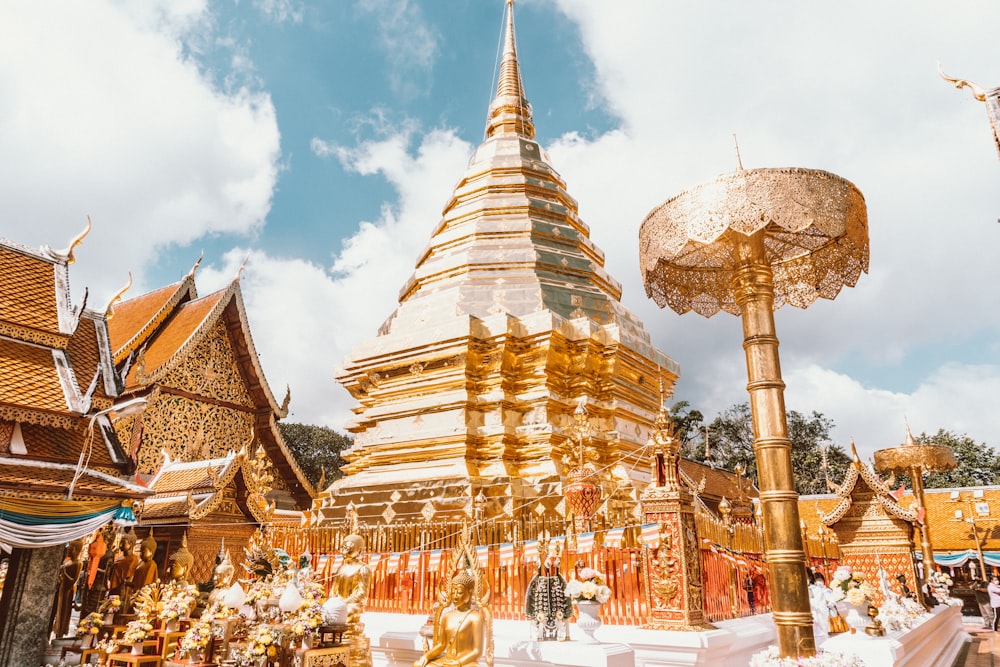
(322, 139)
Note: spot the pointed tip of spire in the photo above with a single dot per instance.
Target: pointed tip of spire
(510, 111)
(909, 436)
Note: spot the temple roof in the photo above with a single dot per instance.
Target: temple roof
(189, 490)
(136, 319)
(24, 477)
(177, 322)
(718, 483)
(34, 296)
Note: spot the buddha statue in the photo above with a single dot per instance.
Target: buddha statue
(351, 583)
(181, 562)
(146, 572)
(222, 578)
(459, 630)
(69, 574)
(120, 581)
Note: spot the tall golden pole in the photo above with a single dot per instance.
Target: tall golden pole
(747, 243)
(754, 288)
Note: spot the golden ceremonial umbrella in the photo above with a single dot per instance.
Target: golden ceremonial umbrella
(747, 243)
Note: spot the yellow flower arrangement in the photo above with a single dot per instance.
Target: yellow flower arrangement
(90, 625)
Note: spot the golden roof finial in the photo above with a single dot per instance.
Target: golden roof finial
(67, 255)
(510, 111)
(909, 442)
(194, 268)
(109, 310)
(978, 91)
(739, 160)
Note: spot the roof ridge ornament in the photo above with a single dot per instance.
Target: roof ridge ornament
(190, 274)
(67, 255)
(510, 111)
(109, 310)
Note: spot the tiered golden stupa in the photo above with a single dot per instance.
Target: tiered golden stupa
(507, 322)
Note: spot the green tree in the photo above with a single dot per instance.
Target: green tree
(687, 426)
(978, 463)
(316, 449)
(730, 437)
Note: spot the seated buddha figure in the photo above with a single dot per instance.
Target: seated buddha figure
(459, 630)
(351, 582)
(222, 577)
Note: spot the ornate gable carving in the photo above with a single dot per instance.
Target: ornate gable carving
(190, 430)
(210, 370)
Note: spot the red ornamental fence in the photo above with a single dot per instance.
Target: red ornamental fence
(408, 582)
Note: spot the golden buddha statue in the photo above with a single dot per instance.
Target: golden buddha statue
(351, 582)
(222, 578)
(181, 562)
(120, 582)
(146, 572)
(460, 629)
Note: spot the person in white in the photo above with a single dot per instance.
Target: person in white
(994, 590)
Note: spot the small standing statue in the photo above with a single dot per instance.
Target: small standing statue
(100, 559)
(120, 581)
(69, 573)
(548, 607)
(146, 572)
(463, 622)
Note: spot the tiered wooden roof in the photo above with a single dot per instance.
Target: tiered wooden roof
(194, 358)
(55, 372)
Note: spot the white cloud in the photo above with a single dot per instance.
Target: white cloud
(407, 41)
(102, 114)
(306, 318)
(280, 11)
(812, 87)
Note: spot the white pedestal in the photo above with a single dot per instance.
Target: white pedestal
(934, 642)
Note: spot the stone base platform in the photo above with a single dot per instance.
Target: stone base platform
(935, 642)
(395, 643)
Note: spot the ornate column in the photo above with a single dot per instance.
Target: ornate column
(674, 591)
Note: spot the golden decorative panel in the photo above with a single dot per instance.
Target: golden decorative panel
(210, 370)
(190, 430)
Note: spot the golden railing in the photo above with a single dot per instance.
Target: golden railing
(731, 555)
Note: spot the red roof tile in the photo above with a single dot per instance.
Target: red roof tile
(28, 291)
(133, 321)
(170, 338)
(28, 378)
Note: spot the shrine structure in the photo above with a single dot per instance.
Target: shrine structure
(509, 323)
(207, 442)
(874, 531)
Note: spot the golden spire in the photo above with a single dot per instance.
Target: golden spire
(510, 111)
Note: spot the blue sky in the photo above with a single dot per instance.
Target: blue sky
(322, 139)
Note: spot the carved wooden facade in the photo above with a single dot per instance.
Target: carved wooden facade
(208, 409)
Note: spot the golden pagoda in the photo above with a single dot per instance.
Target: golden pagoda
(508, 324)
